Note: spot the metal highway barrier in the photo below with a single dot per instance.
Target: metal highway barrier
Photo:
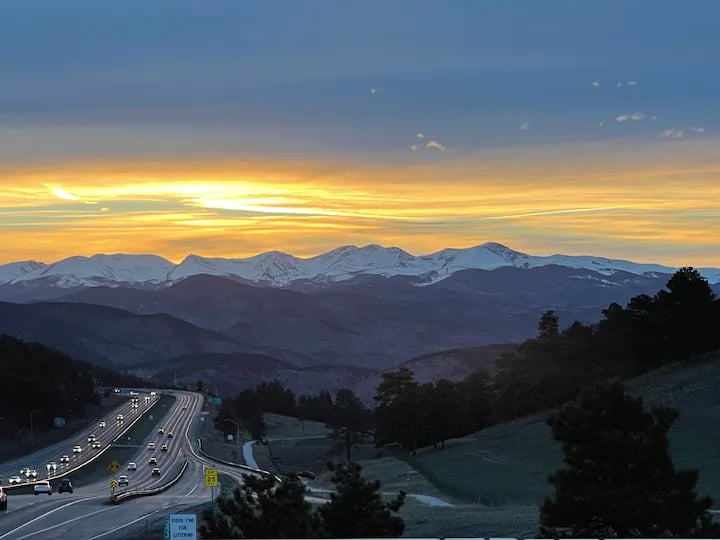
(127, 495)
(88, 461)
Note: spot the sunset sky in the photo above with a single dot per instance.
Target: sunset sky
(227, 128)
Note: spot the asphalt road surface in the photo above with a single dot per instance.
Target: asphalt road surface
(39, 459)
(85, 514)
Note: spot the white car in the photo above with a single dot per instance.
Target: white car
(102, 424)
(151, 446)
(42, 487)
(123, 480)
(132, 466)
(92, 438)
(14, 480)
(77, 449)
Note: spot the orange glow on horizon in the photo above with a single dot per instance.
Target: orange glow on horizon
(664, 210)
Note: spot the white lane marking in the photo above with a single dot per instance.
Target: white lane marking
(16, 529)
(46, 529)
(191, 491)
(125, 525)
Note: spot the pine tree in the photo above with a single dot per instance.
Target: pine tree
(257, 427)
(357, 509)
(620, 480)
(351, 422)
(262, 508)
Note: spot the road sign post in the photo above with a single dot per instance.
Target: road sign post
(114, 466)
(211, 481)
(113, 485)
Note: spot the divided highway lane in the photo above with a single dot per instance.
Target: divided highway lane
(41, 457)
(85, 513)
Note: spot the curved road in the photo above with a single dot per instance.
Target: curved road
(85, 514)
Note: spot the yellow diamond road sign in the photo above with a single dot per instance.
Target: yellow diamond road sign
(114, 466)
(211, 478)
(113, 483)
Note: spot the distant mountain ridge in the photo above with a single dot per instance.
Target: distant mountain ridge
(281, 270)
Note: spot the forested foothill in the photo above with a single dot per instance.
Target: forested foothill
(42, 383)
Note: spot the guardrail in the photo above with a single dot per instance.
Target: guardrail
(237, 465)
(87, 462)
(127, 495)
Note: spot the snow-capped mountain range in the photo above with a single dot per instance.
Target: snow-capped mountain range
(281, 269)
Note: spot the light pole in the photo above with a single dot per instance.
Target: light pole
(237, 438)
(32, 435)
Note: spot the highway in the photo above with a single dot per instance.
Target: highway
(39, 459)
(85, 514)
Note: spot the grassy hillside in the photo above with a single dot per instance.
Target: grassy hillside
(497, 477)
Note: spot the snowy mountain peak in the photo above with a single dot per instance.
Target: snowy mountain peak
(280, 269)
(103, 269)
(15, 270)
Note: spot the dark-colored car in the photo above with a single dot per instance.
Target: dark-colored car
(65, 485)
(155, 471)
(3, 499)
(163, 448)
(170, 435)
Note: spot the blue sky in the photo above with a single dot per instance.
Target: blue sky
(285, 76)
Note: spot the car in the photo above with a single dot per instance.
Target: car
(134, 406)
(77, 449)
(161, 431)
(123, 480)
(32, 473)
(163, 448)
(25, 471)
(117, 390)
(184, 408)
(96, 444)
(153, 394)
(52, 465)
(65, 459)
(14, 480)
(120, 418)
(43, 486)
(170, 435)
(152, 461)
(3, 499)
(155, 471)
(132, 466)
(102, 424)
(66, 485)
(92, 438)
(151, 446)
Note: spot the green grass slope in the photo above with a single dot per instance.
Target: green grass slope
(501, 473)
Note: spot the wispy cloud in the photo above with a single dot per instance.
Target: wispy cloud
(524, 126)
(436, 145)
(414, 147)
(420, 135)
(633, 116)
(673, 133)
(63, 194)
(373, 91)
(697, 129)
(596, 83)
(632, 83)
